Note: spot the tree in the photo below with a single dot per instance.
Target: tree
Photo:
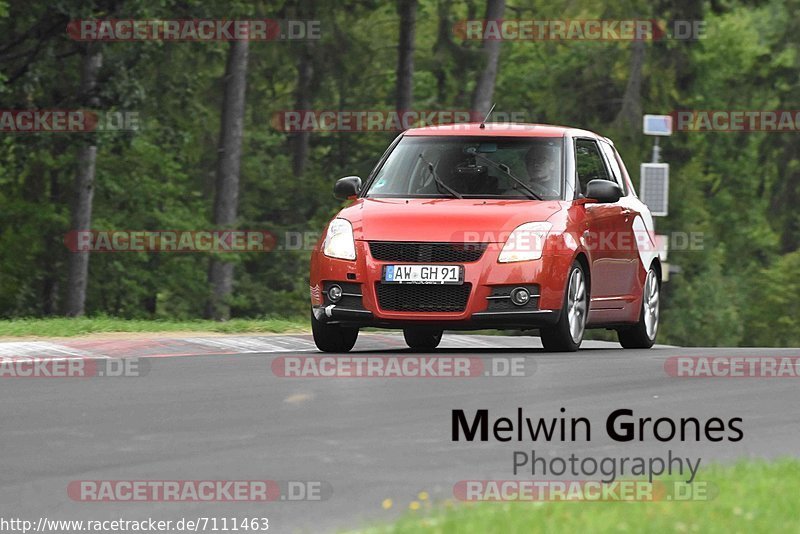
(226, 199)
(300, 140)
(78, 273)
(484, 90)
(407, 9)
(630, 114)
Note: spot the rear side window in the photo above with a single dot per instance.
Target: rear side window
(589, 163)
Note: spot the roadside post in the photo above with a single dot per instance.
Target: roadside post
(654, 180)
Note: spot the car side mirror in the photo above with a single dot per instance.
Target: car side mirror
(603, 191)
(347, 187)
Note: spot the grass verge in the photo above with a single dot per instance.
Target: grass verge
(67, 327)
(750, 497)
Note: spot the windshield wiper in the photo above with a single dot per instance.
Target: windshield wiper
(439, 180)
(508, 173)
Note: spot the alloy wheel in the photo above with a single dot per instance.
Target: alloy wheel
(576, 305)
(650, 304)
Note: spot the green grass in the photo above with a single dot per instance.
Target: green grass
(66, 327)
(750, 497)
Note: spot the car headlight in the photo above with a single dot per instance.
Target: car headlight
(525, 243)
(339, 242)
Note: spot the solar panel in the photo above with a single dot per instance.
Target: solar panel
(654, 187)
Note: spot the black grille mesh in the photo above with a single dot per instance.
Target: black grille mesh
(423, 297)
(408, 252)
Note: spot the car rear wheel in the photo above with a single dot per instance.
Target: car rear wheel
(643, 334)
(422, 338)
(567, 334)
(333, 337)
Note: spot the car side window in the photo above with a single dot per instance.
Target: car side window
(613, 165)
(589, 163)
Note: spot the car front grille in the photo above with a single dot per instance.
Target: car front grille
(423, 297)
(421, 252)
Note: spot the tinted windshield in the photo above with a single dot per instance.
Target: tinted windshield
(473, 167)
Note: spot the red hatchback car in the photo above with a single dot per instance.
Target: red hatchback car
(464, 227)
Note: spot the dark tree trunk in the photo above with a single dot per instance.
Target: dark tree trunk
(226, 198)
(786, 196)
(439, 50)
(299, 141)
(78, 268)
(484, 89)
(407, 9)
(464, 55)
(54, 250)
(447, 54)
(630, 114)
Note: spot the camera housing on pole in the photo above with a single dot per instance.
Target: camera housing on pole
(654, 176)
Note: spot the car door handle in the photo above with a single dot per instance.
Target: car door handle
(627, 211)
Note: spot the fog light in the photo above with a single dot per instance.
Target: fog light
(335, 293)
(520, 296)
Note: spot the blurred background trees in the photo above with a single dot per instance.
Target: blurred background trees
(741, 190)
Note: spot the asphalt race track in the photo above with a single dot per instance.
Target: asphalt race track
(226, 416)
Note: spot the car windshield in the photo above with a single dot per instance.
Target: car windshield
(471, 167)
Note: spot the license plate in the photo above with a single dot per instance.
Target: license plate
(423, 274)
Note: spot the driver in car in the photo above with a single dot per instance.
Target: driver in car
(542, 166)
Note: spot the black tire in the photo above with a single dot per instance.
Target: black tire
(333, 337)
(559, 338)
(637, 336)
(420, 338)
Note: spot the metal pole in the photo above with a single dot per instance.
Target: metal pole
(656, 152)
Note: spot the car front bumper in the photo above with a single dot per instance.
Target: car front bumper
(529, 319)
(487, 279)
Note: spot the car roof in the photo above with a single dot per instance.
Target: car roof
(504, 129)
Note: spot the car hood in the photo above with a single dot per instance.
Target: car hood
(443, 219)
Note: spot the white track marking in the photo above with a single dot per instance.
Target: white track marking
(245, 345)
(466, 342)
(42, 349)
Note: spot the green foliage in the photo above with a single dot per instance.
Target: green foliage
(738, 190)
(708, 312)
(81, 326)
(753, 496)
(773, 310)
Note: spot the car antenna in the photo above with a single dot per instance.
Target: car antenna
(483, 122)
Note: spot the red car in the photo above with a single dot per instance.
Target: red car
(465, 227)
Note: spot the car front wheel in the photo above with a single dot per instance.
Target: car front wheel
(567, 334)
(422, 338)
(333, 337)
(642, 335)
